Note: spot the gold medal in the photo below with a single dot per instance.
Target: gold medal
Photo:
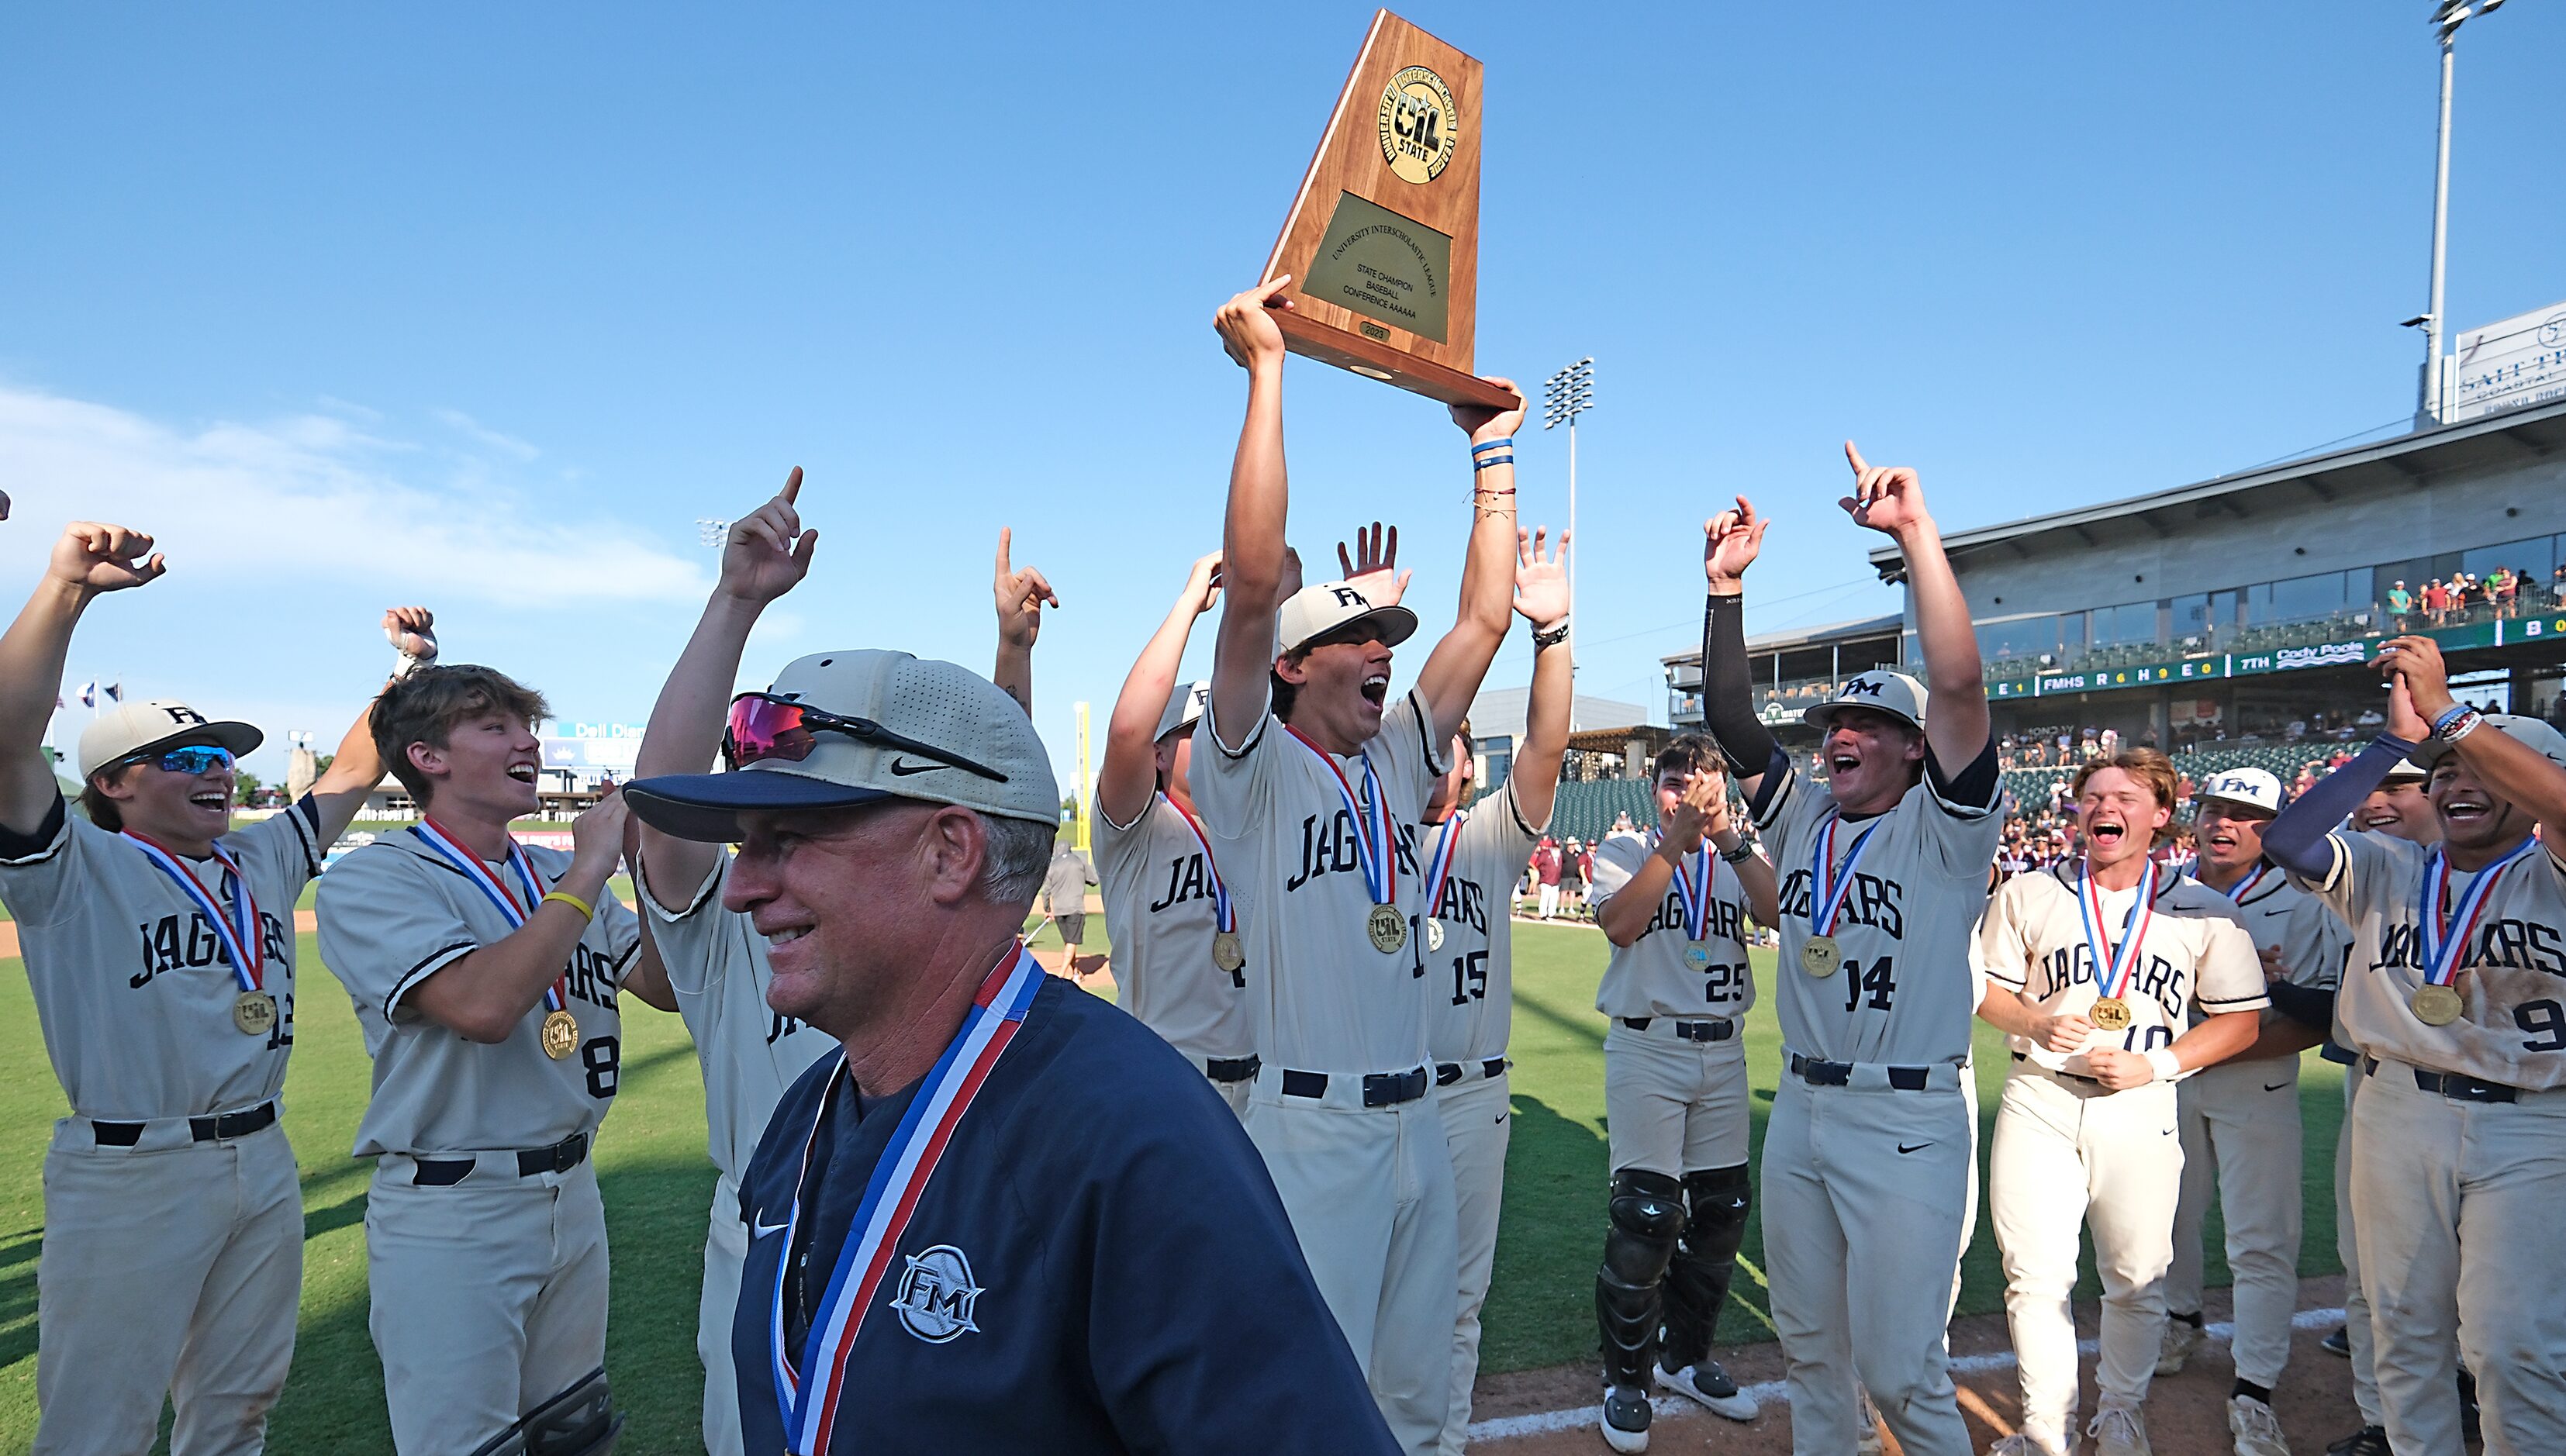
(2110, 1014)
(1387, 929)
(1226, 953)
(1820, 955)
(2436, 1006)
(1433, 933)
(561, 1033)
(1698, 955)
(254, 1012)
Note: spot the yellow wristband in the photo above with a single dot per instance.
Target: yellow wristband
(586, 910)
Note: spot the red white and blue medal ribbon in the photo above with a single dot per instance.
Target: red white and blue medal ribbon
(2115, 965)
(2444, 948)
(1438, 864)
(238, 930)
(810, 1393)
(1376, 842)
(2245, 887)
(1692, 887)
(1224, 916)
(1829, 886)
(450, 850)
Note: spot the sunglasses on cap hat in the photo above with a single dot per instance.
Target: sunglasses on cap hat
(763, 726)
(195, 758)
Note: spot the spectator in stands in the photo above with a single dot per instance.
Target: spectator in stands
(2401, 604)
(1545, 868)
(2111, 742)
(2437, 602)
(1622, 824)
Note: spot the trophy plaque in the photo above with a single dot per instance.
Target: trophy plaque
(1382, 242)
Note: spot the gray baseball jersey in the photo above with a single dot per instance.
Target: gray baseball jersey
(2194, 951)
(1330, 1001)
(1902, 995)
(717, 964)
(392, 914)
(1159, 911)
(132, 986)
(1665, 972)
(2512, 1026)
(1464, 940)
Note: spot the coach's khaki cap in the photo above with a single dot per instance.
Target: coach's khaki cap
(139, 728)
(1882, 691)
(2531, 732)
(907, 717)
(1329, 608)
(1184, 708)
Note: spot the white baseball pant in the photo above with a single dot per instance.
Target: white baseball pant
(166, 1271)
(725, 1253)
(2241, 1143)
(1861, 1185)
(1476, 1126)
(2459, 1214)
(1673, 1106)
(2068, 1154)
(2356, 1303)
(489, 1296)
(1549, 901)
(1237, 1094)
(1370, 1194)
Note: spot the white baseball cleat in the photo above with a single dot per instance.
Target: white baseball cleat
(1625, 1420)
(2020, 1444)
(2256, 1430)
(2117, 1430)
(1709, 1384)
(2181, 1337)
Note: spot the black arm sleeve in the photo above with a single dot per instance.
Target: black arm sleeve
(2297, 840)
(2309, 1006)
(1728, 698)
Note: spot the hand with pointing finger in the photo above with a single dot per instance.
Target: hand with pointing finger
(767, 553)
(1887, 499)
(1021, 597)
(1729, 544)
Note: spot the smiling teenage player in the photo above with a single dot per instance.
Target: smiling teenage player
(1305, 769)
(172, 1251)
(1866, 1160)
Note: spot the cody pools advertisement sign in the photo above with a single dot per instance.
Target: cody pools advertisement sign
(2348, 652)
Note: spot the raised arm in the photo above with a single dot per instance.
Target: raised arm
(2521, 774)
(1729, 544)
(1021, 597)
(91, 558)
(1129, 775)
(1252, 551)
(1459, 662)
(765, 555)
(356, 768)
(1541, 596)
(1889, 500)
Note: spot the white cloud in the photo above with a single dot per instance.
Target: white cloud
(340, 500)
(473, 429)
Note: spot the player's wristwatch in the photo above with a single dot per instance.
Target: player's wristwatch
(1543, 640)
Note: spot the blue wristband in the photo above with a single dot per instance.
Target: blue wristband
(1493, 460)
(2456, 712)
(1504, 443)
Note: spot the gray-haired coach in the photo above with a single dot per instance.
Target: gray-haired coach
(1005, 1217)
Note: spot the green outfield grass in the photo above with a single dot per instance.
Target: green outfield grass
(658, 1188)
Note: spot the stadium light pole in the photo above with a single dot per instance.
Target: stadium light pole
(1566, 396)
(2448, 17)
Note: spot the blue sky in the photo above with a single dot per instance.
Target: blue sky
(483, 307)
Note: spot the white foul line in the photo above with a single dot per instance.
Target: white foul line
(1585, 1417)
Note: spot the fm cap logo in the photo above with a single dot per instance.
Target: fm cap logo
(937, 1295)
(1348, 596)
(1862, 687)
(181, 713)
(1421, 127)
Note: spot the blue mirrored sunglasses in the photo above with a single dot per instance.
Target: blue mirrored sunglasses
(195, 758)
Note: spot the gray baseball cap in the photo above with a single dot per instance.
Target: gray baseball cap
(1184, 708)
(2547, 742)
(842, 729)
(1882, 691)
(1327, 607)
(2249, 788)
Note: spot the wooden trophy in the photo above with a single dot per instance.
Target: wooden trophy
(1382, 242)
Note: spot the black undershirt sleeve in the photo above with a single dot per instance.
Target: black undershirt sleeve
(1728, 698)
(1974, 785)
(2296, 841)
(15, 845)
(2309, 1006)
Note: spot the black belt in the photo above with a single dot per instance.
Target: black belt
(202, 1129)
(2454, 1086)
(1380, 1088)
(1449, 1073)
(1688, 1031)
(561, 1157)
(2341, 1055)
(1231, 1069)
(1840, 1074)
(2070, 1075)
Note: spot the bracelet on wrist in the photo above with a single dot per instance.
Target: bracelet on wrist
(1502, 442)
(404, 663)
(2167, 1066)
(2450, 715)
(1550, 636)
(2471, 723)
(586, 910)
(1487, 462)
(1744, 852)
